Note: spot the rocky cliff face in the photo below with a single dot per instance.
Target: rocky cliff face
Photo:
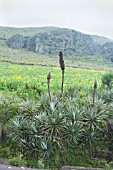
(70, 42)
(16, 42)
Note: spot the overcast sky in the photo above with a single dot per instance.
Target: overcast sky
(87, 16)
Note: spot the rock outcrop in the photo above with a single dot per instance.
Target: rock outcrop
(16, 42)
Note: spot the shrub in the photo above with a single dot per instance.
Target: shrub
(107, 79)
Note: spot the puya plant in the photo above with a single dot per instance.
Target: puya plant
(62, 65)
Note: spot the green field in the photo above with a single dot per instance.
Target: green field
(15, 77)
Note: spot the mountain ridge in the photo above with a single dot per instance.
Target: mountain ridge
(43, 28)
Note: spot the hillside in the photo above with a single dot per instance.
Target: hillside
(50, 40)
(41, 46)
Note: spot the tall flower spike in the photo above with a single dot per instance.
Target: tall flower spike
(61, 61)
(95, 84)
(49, 76)
(62, 65)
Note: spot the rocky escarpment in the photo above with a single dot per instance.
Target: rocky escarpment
(69, 41)
(18, 42)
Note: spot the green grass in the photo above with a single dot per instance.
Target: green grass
(16, 77)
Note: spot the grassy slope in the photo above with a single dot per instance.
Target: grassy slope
(7, 32)
(29, 57)
(100, 40)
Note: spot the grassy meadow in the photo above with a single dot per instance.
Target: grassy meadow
(16, 77)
